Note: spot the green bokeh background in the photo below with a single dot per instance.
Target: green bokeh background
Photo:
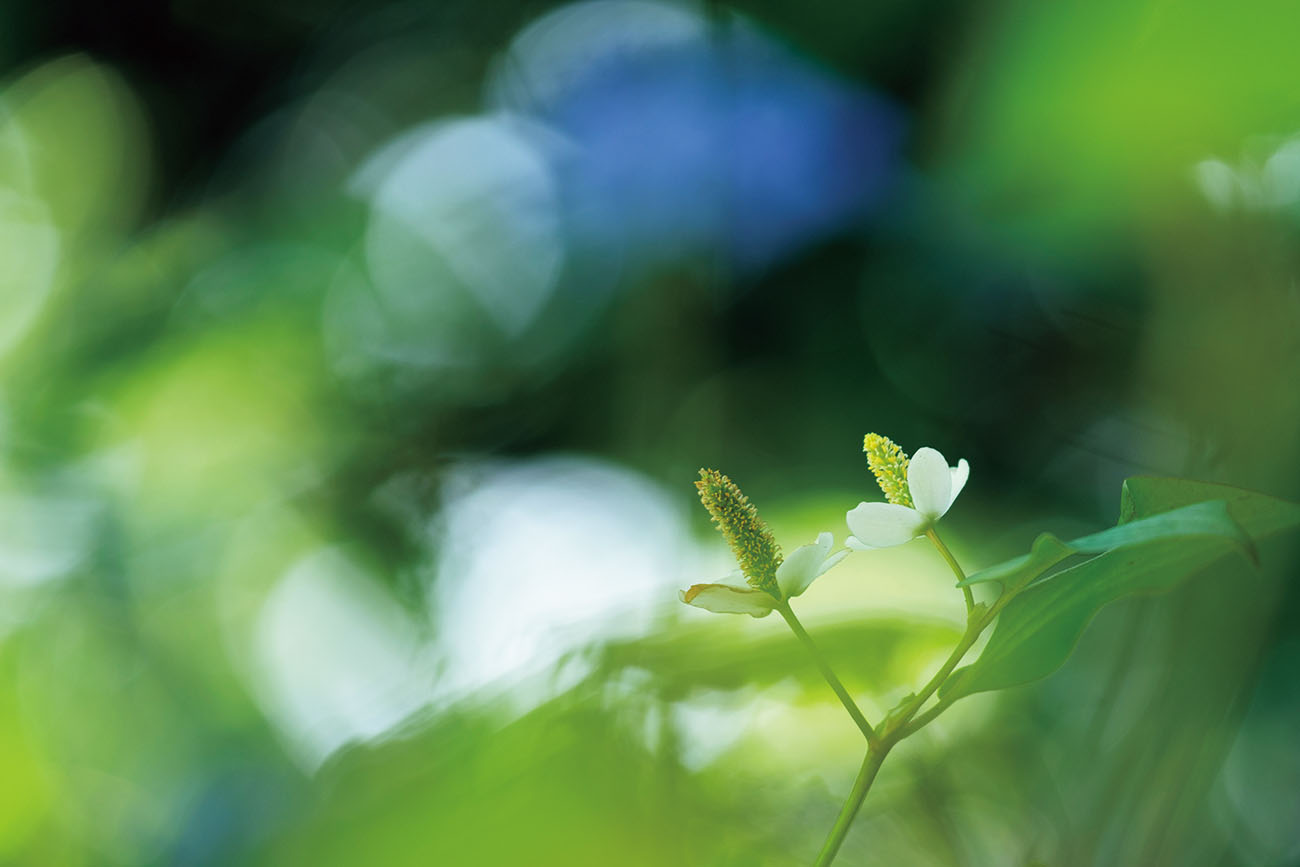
(235, 623)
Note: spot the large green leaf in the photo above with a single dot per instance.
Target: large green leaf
(1170, 530)
(1200, 519)
(1259, 514)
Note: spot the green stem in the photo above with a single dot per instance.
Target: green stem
(956, 567)
(904, 723)
(845, 699)
(973, 630)
(900, 729)
(975, 627)
(923, 720)
(866, 776)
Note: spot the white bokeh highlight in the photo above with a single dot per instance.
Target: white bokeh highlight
(545, 557)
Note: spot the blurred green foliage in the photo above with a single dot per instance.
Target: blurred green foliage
(259, 417)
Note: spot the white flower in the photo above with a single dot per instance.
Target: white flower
(933, 487)
(793, 576)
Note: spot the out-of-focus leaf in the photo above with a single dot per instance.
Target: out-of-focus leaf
(1160, 542)
(873, 654)
(563, 785)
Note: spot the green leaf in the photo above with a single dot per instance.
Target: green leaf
(1211, 518)
(1047, 551)
(1201, 519)
(1259, 514)
(868, 654)
(1170, 530)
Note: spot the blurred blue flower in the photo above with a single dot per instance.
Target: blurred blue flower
(705, 139)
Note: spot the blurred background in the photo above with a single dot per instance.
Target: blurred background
(356, 360)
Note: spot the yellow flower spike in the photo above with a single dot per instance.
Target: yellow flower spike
(750, 539)
(888, 463)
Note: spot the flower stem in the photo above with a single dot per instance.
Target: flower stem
(956, 567)
(924, 719)
(904, 722)
(866, 776)
(980, 620)
(845, 699)
(968, 640)
(902, 726)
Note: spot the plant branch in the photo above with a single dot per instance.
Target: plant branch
(845, 699)
(924, 719)
(979, 620)
(866, 776)
(973, 630)
(905, 722)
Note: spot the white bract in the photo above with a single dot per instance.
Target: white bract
(793, 576)
(933, 486)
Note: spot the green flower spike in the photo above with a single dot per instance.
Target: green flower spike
(772, 580)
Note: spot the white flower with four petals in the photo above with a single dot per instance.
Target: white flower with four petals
(933, 486)
(793, 576)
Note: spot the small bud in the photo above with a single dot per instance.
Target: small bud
(750, 539)
(889, 465)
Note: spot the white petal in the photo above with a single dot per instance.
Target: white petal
(853, 543)
(725, 599)
(831, 561)
(804, 564)
(960, 474)
(929, 482)
(880, 525)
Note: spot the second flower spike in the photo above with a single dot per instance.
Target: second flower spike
(920, 492)
(804, 565)
(772, 580)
